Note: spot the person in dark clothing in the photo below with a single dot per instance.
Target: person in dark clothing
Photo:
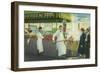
(87, 43)
(81, 48)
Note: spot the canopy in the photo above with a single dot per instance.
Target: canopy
(45, 17)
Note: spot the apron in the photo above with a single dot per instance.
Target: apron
(60, 45)
(61, 48)
(39, 42)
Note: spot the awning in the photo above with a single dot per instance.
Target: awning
(45, 17)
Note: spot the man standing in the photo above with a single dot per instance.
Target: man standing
(60, 45)
(87, 43)
(81, 48)
(39, 41)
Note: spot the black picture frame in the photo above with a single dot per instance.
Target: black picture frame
(15, 34)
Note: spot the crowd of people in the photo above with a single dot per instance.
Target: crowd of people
(84, 44)
(58, 38)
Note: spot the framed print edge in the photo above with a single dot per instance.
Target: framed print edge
(14, 36)
(96, 36)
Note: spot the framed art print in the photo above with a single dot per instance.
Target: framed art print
(52, 36)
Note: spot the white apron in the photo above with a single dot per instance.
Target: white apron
(60, 45)
(39, 42)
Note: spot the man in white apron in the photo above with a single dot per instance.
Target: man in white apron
(60, 45)
(39, 41)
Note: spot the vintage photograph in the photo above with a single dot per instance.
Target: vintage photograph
(56, 35)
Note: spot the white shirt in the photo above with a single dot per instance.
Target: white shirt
(39, 35)
(59, 35)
